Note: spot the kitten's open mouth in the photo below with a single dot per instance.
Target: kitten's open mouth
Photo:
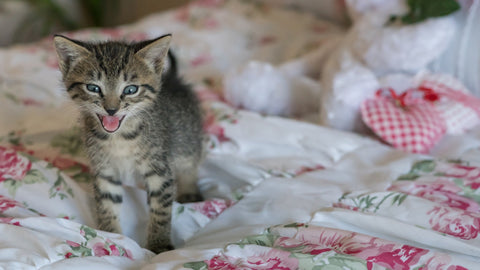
(110, 123)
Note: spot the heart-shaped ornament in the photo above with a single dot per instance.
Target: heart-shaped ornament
(415, 128)
(459, 108)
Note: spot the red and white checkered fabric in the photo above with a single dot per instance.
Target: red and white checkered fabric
(459, 109)
(415, 128)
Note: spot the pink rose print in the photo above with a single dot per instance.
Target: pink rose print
(455, 222)
(110, 249)
(66, 163)
(12, 165)
(402, 258)
(373, 250)
(470, 174)
(9, 220)
(456, 267)
(287, 242)
(274, 259)
(212, 208)
(128, 254)
(340, 241)
(6, 203)
(439, 261)
(218, 263)
(99, 250)
(441, 191)
(72, 244)
(114, 250)
(210, 126)
(307, 248)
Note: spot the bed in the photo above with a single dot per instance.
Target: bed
(279, 193)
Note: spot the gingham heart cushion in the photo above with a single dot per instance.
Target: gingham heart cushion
(413, 128)
(458, 108)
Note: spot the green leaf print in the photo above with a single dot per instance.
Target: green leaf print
(88, 233)
(419, 168)
(12, 186)
(34, 176)
(399, 198)
(467, 191)
(82, 251)
(342, 262)
(424, 166)
(180, 209)
(265, 240)
(408, 177)
(373, 203)
(196, 265)
(60, 188)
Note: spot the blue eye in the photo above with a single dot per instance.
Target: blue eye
(130, 90)
(93, 88)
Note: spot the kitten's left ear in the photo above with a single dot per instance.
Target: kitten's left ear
(68, 51)
(153, 52)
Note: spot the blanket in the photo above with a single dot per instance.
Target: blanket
(279, 193)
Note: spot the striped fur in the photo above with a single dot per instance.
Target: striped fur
(158, 140)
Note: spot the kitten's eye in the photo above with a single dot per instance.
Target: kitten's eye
(93, 88)
(130, 90)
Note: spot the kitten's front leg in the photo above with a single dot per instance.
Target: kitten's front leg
(108, 198)
(161, 188)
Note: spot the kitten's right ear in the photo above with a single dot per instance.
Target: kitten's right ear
(68, 51)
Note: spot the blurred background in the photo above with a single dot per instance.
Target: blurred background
(29, 20)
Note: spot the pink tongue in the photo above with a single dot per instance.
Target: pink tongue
(110, 123)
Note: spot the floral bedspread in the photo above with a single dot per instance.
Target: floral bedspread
(279, 193)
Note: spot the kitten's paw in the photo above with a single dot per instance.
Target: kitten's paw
(189, 197)
(109, 227)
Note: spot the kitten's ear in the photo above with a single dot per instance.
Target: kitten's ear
(154, 51)
(68, 52)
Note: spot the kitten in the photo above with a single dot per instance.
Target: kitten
(139, 122)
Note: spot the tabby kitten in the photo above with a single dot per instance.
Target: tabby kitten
(140, 121)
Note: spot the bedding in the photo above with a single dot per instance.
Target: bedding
(279, 193)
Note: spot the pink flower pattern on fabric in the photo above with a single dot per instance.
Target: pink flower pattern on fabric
(455, 222)
(7, 203)
(371, 249)
(12, 165)
(212, 208)
(273, 259)
(440, 191)
(470, 174)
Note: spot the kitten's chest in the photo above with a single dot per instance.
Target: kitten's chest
(123, 159)
(121, 149)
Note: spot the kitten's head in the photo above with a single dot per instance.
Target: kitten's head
(112, 81)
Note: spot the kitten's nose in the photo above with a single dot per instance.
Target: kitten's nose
(111, 111)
